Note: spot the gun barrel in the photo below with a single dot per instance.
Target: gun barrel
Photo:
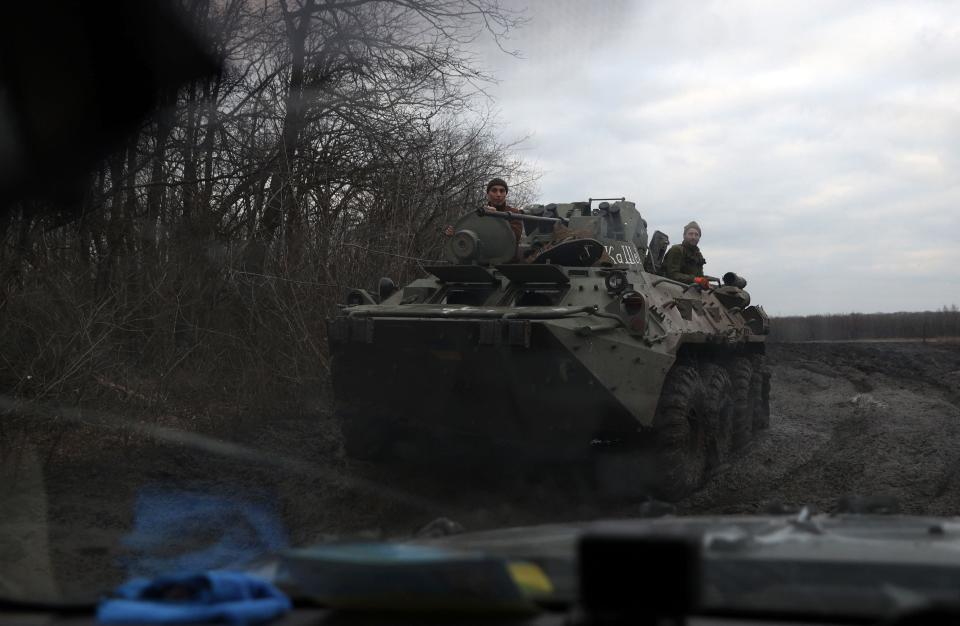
(734, 280)
(523, 217)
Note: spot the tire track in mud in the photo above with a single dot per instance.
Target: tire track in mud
(855, 423)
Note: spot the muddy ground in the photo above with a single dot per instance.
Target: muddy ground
(868, 426)
(852, 425)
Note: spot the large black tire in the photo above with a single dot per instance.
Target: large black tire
(741, 379)
(760, 393)
(719, 414)
(680, 434)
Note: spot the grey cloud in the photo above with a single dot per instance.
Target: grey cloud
(806, 137)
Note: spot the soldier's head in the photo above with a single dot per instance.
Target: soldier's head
(691, 233)
(497, 192)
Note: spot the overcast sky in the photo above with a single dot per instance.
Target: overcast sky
(817, 143)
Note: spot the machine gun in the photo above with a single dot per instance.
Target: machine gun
(521, 216)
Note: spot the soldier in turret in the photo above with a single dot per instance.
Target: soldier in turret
(683, 262)
(497, 191)
(497, 199)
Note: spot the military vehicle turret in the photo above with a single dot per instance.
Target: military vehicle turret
(569, 350)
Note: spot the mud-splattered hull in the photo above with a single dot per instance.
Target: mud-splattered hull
(463, 390)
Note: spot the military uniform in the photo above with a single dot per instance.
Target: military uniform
(683, 263)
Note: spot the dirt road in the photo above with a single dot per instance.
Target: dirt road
(866, 425)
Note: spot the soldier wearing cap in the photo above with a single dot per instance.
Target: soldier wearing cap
(683, 261)
(497, 201)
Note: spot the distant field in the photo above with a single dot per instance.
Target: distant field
(883, 340)
(904, 326)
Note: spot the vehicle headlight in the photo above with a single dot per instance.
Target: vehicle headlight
(635, 311)
(615, 282)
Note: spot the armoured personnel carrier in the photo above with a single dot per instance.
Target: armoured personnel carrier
(569, 350)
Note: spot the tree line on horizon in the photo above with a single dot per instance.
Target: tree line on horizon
(855, 326)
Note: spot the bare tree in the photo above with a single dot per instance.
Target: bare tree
(337, 139)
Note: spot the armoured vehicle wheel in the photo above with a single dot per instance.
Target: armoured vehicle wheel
(681, 433)
(760, 393)
(720, 414)
(741, 379)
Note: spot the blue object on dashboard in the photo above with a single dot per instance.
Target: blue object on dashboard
(178, 530)
(224, 597)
